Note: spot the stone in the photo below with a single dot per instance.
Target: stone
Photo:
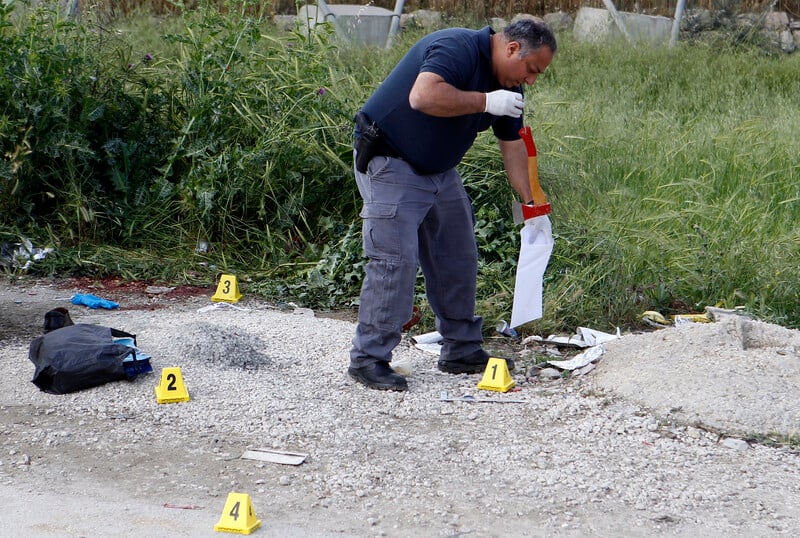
(427, 18)
(699, 20)
(787, 41)
(285, 23)
(521, 16)
(549, 373)
(735, 444)
(498, 23)
(597, 26)
(747, 21)
(776, 20)
(559, 21)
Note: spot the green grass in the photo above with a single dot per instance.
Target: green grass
(672, 178)
(672, 172)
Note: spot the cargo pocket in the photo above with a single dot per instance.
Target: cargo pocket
(381, 234)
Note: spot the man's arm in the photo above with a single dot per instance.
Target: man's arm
(515, 159)
(435, 97)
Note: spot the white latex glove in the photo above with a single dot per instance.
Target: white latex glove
(504, 103)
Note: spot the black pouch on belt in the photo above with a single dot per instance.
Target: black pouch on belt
(368, 143)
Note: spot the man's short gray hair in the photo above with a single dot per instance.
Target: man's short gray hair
(531, 35)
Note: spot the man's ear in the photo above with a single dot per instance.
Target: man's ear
(512, 47)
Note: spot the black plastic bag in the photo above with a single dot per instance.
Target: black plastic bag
(78, 357)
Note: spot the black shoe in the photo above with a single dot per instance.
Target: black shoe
(378, 375)
(474, 363)
(56, 319)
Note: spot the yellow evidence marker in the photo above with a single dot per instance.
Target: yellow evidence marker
(238, 515)
(227, 290)
(496, 377)
(171, 389)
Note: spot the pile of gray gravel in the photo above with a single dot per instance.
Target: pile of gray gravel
(657, 439)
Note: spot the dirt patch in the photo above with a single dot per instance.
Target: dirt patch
(26, 300)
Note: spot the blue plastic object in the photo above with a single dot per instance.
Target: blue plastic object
(136, 363)
(92, 301)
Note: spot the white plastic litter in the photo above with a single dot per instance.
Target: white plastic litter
(580, 360)
(536, 245)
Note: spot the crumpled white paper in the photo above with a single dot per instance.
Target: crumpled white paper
(536, 245)
(429, 342)
(580, 360)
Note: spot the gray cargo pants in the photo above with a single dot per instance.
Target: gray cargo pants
(415, 221)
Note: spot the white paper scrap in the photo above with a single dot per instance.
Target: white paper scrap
(433, 349)
(275, 456)
(536, 245)
(593, 337)
(428, 338)
(575, 340)
(580, 360)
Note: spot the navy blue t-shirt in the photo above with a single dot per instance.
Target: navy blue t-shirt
(463, 58)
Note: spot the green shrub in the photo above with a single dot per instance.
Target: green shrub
(672, 172)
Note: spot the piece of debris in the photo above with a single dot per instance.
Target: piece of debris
(580, 360)
(654, 319)
(720, 314)
(505, 329)
(429, 342)
(402, 366)
(735, 444)
(472, 399)
(585, 370)
(710, 314)
(157, 290)
(183, 506)
(22, 255)
(680, 319)
(221, 306)
(298, 310)
(416, 316)
(583, 338)
(93, 301)
(549, 373)
(275, 456)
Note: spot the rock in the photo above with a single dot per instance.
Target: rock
(427, 18)
(559, 21)
(156, 290)
(528, 16)
(787, 41)
(699, 20)
(747, 21)
(498, 23)
(597, 26)
(776, 20)
(735, 444)
(549, 373)
(285, 23)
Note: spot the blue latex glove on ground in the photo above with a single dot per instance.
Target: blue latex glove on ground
(93, 301)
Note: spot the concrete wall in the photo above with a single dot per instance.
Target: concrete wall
(363, 25)
(597, 25)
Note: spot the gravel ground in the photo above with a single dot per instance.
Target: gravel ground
(660, 439)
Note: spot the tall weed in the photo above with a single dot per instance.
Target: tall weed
(80, 145)
(672, 173)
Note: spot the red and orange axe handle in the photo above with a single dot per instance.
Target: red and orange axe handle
(540, 205)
